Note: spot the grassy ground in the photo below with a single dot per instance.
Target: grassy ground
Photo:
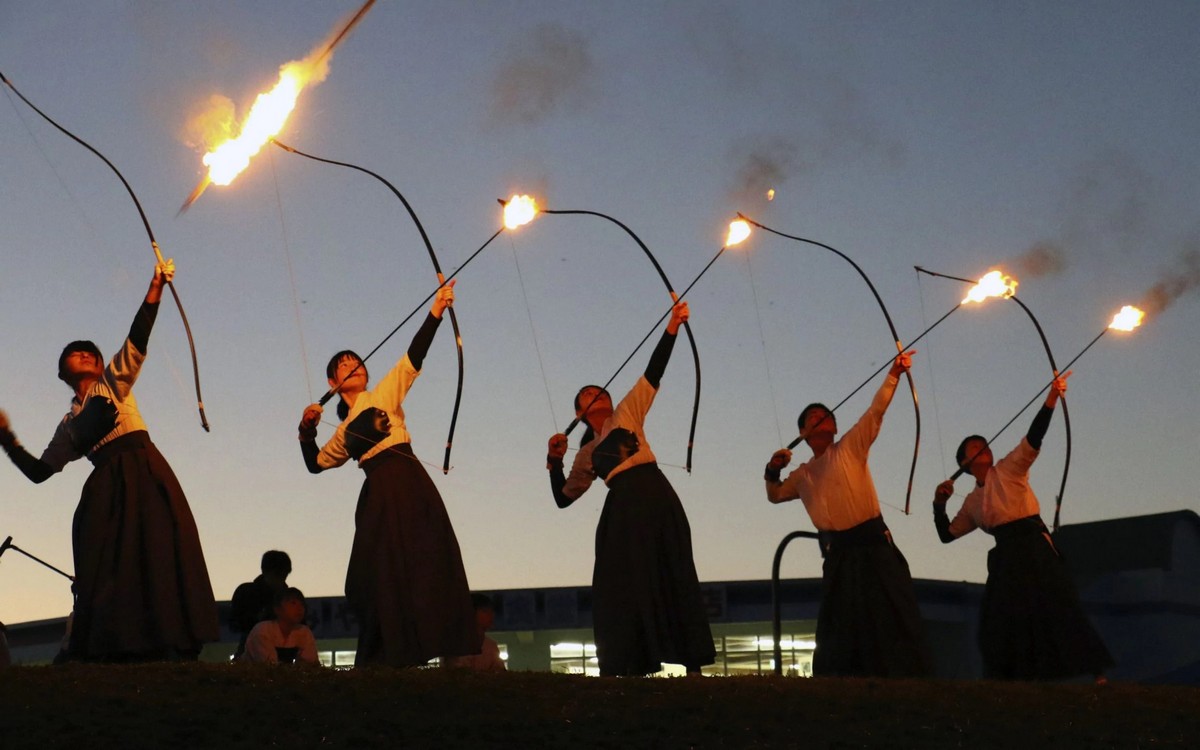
(205, 705)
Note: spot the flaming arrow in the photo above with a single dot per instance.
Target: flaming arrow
(149, 232)
(436, 267)
(1127, 319)
(895, 337)
(1053, 368)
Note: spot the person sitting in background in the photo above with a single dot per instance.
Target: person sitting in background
(253, 601)
(284, 639)
(488, 660)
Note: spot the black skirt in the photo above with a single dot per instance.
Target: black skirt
(405, 581)
(869, 624)
(141, 586)
(1031, 623)
(646, 603)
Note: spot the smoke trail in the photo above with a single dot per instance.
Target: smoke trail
(761, 164)
(546, 71)
(1043, 259)
(1183, 279)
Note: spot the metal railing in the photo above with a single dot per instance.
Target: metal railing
(776, 621)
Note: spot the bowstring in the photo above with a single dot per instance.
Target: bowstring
(287, 255)
(533, 332)
(937, 417)
(762, 337)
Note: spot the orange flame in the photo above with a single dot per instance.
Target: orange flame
(267, 117)
(1129, 318)
(993, 284)
(270, 111)
(739, 230)
(519, 210)
(771, 194)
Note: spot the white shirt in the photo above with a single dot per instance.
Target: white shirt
(267, 636)
(630, 414)
(387, 395)
(836, 487)
(1005, 495)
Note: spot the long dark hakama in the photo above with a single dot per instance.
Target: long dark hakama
(405, 581)
(1031, 623)
(646, 601)
(141, 587)
(869, 623)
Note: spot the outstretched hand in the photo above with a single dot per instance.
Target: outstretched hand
(163, 273)
(679, 316)
(902, 363)
(1058, 389)
(556, 447)
(443, 298)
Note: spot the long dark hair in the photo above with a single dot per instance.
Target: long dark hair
(343, 409)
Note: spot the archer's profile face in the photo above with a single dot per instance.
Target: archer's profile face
(350, 375)
(819, 421)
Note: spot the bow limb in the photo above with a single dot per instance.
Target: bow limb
(912, 471)
(437, 269)
(671, 290)
(1062, 486)
(149, 232)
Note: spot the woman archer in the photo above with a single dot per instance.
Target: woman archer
(141, 587)
(1031, 623)
(646, 602)
(405, 581)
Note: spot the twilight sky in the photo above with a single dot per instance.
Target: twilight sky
(1056, 140)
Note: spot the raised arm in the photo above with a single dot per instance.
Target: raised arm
(662, 353)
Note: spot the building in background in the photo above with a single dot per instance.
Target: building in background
(1139, 580)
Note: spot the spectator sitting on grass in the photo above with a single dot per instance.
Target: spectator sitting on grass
(285, 639)
(488, 660)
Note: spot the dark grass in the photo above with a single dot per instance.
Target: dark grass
(203, 705)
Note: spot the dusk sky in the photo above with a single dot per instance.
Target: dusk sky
(1058, 141)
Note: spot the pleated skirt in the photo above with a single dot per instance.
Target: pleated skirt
(142, 589)
(869, 624)
(646, 602)
(405, 581)
(1031, 623)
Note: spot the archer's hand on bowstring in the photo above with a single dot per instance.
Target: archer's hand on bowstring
(779, 460)
(556, 449)
(309, 422)
(679, 316)
(442, 299)
(943, 492)
(163, 273)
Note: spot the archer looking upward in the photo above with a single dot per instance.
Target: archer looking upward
(868, 623)
(405, 581)
(1031, 623)
(141, 586)
(646, 603)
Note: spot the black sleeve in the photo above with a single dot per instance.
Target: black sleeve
(658, 360)
(558, 480)
(310, 450)
(143, 322)
(34, 469)
(1037, 430)
(942, 522)
(422, 341)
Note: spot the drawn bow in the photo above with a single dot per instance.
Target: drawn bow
(895, 337)
(437, 269)
(1053, 367)
(149, 232)
(670, 290)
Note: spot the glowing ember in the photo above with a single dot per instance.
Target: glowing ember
(1129, 318)
(519, 211)
(993, 284)
(771, 194)
(738, 231)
